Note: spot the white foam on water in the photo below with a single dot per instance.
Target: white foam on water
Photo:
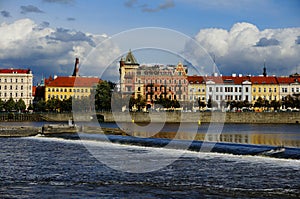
(170, 153)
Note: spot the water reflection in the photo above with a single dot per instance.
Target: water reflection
(291, 140)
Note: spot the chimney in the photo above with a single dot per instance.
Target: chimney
(76, 68)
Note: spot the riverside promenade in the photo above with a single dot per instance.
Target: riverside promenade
(168, 117)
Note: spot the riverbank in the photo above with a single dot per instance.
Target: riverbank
(54, 129)
(166, 117)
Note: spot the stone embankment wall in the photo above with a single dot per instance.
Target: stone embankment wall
(170, 117)
(206, 117)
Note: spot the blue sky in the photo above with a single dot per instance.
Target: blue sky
(211, 23)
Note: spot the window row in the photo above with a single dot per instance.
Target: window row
(64, 97)
(228, 89)
(264, 90)
(68, 90)
(11, 87)
(11, 80)
(265, 97)
(13, 95)
(293, 90)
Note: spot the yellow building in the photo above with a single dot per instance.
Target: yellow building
(63, 88)
(265, 87)
(196, 89)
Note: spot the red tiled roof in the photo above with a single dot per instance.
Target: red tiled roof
(217, 80)
(263, 80)
(287, 80)
(73, 82)
(235, 80)
(195, 79)
(20, 71)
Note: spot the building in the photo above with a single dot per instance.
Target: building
(153, 82)
(64, 87)
(196, 89)
(288, 86)
(16, 84)
(264, 87)
(222, 89)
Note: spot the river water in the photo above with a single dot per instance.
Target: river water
(65, 166)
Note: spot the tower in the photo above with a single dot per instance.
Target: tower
(76, 68)
(265, 70)
(128, 67)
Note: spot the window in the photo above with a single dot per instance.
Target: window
(21, 94)
(265, 90)
(10, 87)
(254, 90)
(11, 80)
(217, 89)
(221, 89)
(247, 89)
(16, 94)
(70, 90)
(5, 87)
(21, 80)
(16, 80)
(292, 90)
(259, 89)
(5, 80)
(270, 90)
(22, 87)
(235, 90)
(210, 89)
(275, 90)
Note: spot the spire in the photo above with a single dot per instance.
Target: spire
(130, 59)
(265, 69)
(76, 68)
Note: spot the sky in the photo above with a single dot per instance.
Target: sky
(239, 35)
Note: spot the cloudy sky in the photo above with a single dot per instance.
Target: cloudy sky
(47, 35)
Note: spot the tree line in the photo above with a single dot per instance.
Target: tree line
(12, 105)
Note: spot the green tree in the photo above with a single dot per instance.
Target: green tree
(275, 104)
(140, 102)
(20, 105)
(103, 96)
(1, 104)
(10, 105)
(259, 102)
(30, 107)
(66, 105)
(53, 104)
(40, 106)
(201, 103)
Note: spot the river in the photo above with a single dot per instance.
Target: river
(68, 167)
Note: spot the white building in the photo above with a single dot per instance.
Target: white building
(228, 88)
(16, 84)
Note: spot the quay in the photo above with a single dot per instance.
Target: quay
(167, 117)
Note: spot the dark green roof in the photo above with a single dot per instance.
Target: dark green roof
(130, 59)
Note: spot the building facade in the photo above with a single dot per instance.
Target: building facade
(265, 87)
(153, 82)
(16, 84)
(64, 87)
(221, 89)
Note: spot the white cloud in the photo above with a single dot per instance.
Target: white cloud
(244, 48)
(46, 50)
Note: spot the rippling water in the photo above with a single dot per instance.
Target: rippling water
(43, 167)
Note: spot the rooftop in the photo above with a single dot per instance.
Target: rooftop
(73, 82)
